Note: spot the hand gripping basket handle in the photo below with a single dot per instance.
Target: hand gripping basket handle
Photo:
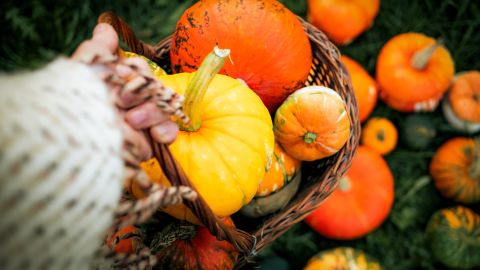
(243, 241)
(126, 34)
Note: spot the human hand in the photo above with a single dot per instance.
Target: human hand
(137, 111)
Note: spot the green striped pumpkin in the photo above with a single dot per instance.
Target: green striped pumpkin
(342, 258)
(453, 235)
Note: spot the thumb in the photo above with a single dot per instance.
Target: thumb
(104, 33)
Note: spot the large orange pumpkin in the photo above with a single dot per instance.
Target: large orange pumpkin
(269, 49)
(342, 20)
(455, 169)
(461, 107)
(227, 146)
(364, 86)
(360, 203)
(312, 123)
(413, 72)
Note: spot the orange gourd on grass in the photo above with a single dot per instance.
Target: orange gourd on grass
(461, 106)
(364, 86)
(228, 144)
(455, 169)
(380, 134)
(269, 49)
(312, 123)
(413, 72)
(342, 21)
(360, 203)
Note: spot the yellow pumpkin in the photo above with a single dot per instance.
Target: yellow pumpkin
(156, 70)
(228, 144)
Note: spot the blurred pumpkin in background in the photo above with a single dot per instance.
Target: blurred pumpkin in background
(342, 258)
(342, 21)
(461, 106)
(360, 203)
(453, 235)
(364, 86)
(455, 169)
(380, 134)
(413, 72)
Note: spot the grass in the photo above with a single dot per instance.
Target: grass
(34, 32)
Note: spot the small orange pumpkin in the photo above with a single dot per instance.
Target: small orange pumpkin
(127, 245)
(342, 21)
(461, 107)
(312, 123)
(455, 169)
(413, 72)
(380, 134)
(364, 86)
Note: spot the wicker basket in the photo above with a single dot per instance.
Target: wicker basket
(319, 178)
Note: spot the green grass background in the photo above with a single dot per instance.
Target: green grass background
(34, 32)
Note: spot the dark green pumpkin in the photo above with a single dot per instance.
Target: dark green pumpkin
(417, 132)
(453, 235)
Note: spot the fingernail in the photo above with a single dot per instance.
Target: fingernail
(136, 117)
(162, 134)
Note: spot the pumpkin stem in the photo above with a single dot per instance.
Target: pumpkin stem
(344, 183)
(421, 58)
(172, 232)
(309, 137)
(198, 86)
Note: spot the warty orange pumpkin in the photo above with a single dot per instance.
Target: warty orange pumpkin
(312, 123)
(269, 49)
(455, 169)
(461, 106)
(342, 21)
(360, 203)
(413, 72)
(364, 86)
(229, 143)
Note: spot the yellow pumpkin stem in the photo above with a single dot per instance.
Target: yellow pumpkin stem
(198, 86)
(421, 58)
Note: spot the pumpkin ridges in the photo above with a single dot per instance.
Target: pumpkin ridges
(450, 170)
(466, 85)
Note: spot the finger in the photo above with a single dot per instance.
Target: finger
(88, 50)
(105, 34)
(165, 132)
(140, 64)
(145, 116)
(136, 142)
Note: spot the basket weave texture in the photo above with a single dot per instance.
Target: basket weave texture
(319, 178)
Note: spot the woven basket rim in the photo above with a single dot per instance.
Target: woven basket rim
(326, 64)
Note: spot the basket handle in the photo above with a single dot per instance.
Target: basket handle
(243, 241)
(126, 34)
